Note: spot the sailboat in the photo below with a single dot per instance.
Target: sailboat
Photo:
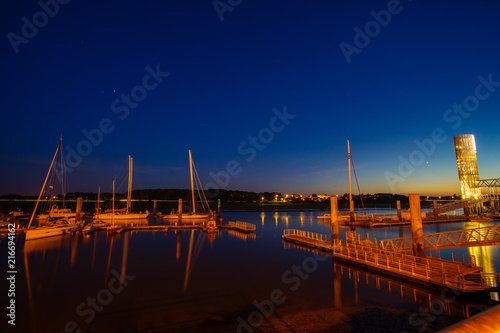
(351, 216)
(125, 213)
(57, 227)
(96, 223)
(191, 215)
(53, 212)
(114, 229)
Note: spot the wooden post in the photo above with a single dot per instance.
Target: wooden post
(179, 212)
(398, 205)
(334, 215)
(154, 207)
(435, 204)
(416, 225)
(492, 206)
(79, 203)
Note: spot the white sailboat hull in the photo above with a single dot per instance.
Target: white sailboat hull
(130, 216)
(187, 216)
(42, 232)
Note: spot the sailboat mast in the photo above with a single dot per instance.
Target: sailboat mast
(192, 186)
(97, 209)
(44, 183)
(351, 204)
(129, 190)
(55, 174)
(113, 205)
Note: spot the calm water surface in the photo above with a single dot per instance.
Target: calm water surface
(189, 281)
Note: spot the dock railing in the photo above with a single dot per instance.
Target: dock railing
(468, 259)
(355, 237)
(443, 272)
(242, 225)
(307, 234)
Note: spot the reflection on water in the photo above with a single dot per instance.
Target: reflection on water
(184, 282)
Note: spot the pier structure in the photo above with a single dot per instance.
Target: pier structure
(424, 297)
(463, 276)
(429, 272)
(238, 226)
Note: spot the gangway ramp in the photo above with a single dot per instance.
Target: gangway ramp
(449, 239)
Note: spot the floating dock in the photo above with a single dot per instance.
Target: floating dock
(242, 227)
(238, 226)
(430, 272)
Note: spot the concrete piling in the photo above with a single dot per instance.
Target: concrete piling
(334, 215)
(79, 203)
(179, 212)
(416, 225)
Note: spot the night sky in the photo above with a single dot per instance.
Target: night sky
(264, 93)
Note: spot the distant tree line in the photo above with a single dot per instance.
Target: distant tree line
(228, 196)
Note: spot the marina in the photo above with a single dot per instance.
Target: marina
(149, 251)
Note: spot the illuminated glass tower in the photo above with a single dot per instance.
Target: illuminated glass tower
(465, 148)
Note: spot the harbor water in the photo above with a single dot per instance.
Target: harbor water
(185, 281)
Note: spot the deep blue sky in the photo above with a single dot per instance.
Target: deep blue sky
(226, 77)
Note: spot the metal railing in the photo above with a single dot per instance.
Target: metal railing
(468, 259)
(307, 234)
(443, 272)
(357, 238)
(478, 281)
(431, 269)
(451, 206)
(477, 236)
(242, 225)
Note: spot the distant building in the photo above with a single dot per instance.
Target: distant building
(323, 197)
(468, 174)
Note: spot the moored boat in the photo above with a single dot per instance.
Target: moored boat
(18, 214)
(55, 228)
(125, 213)
(61, 213)
(116, 229)
(88, 229)
(99, 225)
(211, 227)
(193, 215)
